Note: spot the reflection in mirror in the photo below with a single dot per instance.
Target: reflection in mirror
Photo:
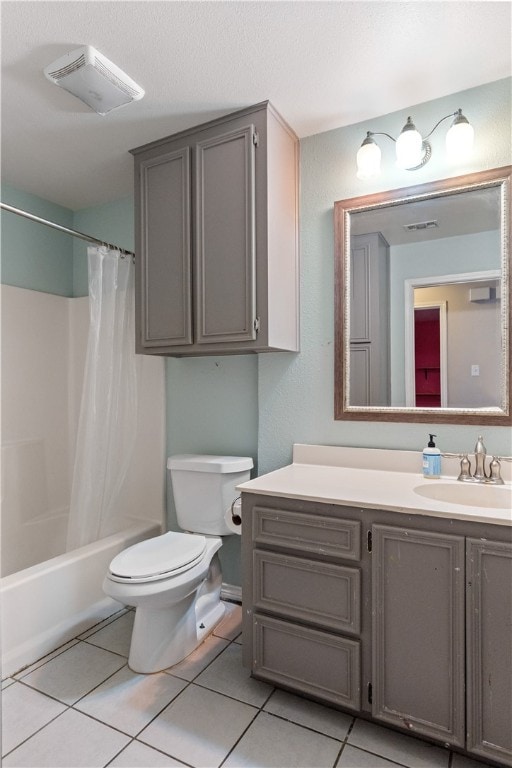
(422, 303)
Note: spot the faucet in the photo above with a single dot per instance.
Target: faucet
(480, 475)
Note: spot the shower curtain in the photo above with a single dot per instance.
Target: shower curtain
(108, 411)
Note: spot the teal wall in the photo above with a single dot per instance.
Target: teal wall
(112, 223)
(33, 255)
(260, 405)
(296, 392)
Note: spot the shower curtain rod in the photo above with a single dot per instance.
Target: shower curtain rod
(66, 230)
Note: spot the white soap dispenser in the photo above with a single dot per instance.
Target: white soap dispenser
(431, 460)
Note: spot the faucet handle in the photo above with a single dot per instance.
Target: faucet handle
(495, 471)
(465, 468)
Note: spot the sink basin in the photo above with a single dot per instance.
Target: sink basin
(468, 494)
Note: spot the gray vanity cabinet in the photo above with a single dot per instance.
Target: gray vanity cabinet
(402, 618)
(300, 562)
(489, 649)
(369, 320)
(216, 233)
(418, 631)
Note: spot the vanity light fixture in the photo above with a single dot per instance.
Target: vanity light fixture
(412, 150)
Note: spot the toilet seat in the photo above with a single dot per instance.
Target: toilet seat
(158, 558)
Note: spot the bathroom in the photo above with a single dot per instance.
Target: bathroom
(246, 405)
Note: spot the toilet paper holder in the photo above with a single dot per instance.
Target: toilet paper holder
(235, 517)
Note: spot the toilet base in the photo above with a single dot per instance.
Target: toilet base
(164, 636)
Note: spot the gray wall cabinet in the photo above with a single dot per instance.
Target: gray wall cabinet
(404, 619)
(369, 320)
(216, 221)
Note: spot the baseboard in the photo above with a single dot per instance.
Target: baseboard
(231, 592)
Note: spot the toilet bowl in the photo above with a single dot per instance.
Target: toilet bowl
(174, 580)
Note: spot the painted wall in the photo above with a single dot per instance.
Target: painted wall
(442, 256)
(296, 392)
(35, 256)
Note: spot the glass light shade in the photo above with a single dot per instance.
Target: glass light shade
(409, 148)
(459, 140)
(368, 159)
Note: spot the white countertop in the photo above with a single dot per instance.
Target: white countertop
(352, 477)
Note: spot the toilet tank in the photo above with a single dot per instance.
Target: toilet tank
(204, 487)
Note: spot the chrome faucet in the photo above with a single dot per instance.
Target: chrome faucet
(480, 475)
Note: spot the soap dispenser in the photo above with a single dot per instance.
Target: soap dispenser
(431, 460)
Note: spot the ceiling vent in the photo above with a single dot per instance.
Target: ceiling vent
(94, 79)
(421, 225)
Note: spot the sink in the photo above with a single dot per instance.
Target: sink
(468, 494)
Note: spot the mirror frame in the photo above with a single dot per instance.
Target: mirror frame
(342, 210)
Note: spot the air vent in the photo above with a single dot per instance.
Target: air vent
(94, 79)
(421, 225)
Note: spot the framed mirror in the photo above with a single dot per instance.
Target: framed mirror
(422, 303)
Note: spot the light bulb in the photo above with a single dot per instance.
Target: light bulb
(368, 159)
(459, 139)
(409, 146)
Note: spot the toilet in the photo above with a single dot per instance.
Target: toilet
(174, 580)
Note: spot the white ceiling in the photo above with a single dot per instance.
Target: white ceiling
(322, 64)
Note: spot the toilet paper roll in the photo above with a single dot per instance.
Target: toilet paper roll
(233, 517)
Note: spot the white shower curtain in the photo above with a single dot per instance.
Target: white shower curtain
(108, 412)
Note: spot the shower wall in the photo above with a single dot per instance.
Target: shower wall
(44, 338)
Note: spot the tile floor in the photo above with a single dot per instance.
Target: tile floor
(82, 706)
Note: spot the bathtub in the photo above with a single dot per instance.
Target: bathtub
(46, 605)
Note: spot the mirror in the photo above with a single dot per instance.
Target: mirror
(422, 303)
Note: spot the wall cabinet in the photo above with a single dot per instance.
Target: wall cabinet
(369, 320)
(404, 619)
(216, 218)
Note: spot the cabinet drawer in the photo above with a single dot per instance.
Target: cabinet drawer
(307, 660)
(321, 593)
(328, 536)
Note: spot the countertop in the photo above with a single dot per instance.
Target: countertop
(319, 474)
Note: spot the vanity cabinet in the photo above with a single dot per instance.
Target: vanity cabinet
(401, 618)
(369, 320)
(216, 232)
(300, 562)
(489, 649)
(418, 631)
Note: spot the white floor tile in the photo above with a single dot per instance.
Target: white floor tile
(274, 743)
(72, 740)
(25, 711)
(39, 663)
(199, 727)
(227, 675)
(396, 746)
(352, 757)
(137, 755)
(199, 659)
(115, 636)
(231, 625)
(128, 701)
(325, 720)
(7, 682)
(101, 624)
(75, 672)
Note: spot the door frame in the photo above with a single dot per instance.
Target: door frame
(424, 282)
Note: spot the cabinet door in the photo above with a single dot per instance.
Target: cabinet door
(225, 238)
(164, 314)
(489, 650)
(418, 632)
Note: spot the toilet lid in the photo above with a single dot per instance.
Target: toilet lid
(156, 558)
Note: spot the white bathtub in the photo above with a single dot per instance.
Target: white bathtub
(48, 604)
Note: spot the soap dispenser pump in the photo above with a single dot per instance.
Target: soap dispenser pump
(431, 460)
